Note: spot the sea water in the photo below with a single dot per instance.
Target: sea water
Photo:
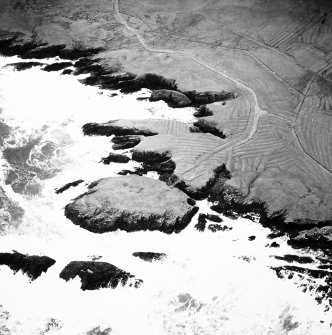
(210, 283)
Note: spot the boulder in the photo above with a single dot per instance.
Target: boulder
(131, 203)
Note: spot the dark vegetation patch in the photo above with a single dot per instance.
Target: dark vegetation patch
(32, 266)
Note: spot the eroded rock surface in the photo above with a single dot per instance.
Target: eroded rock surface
(131, 203)
(95, 275)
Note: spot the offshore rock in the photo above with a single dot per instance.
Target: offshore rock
(115, 158)
(32, 266)
(68, 185)
(57, 66)
(150, 256)
(131, 203)
(95, 275)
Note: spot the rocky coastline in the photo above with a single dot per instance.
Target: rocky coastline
(105, 213)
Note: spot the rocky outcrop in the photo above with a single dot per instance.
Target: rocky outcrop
(178, 99)
(114, 128)
(315, 238)
(22, 66)
(14, 44)
(174, 99)
(131, 203)
(295, 258)
(32, 266)
(150, 256)
(95, 275)
(203, 111)
(125, 142)
(217, 227)
(57, 66)
(115, 158)
(208, 97)
(67, 186)
(208, 127)
(214, 218)
(323, 278)
(201, 222)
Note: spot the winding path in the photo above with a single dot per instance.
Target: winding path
(248, 93)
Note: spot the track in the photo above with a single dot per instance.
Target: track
(247, 93)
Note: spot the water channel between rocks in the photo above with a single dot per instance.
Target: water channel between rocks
(209, 283)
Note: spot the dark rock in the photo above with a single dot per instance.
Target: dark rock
(275, 235)
(32, 266)
(125, 142)
(191, 202)
(65, 72)
(149, 80)
(126, 203)
(111, 128)
(150, 256)
(126, 172)
(114, 95)
(208, 97)
(274, 245)
(154, 161)
(67, 186)
(57, 66)
(208, 127)
(95, 275)
(115, 158)
(203, 111)
(21, 66)
(217, 227)
(315, 238)
(15, 45)
(174, 99)
(200, 226)
(323, 286)
(295, 258)
(251, 238)
(214, 218)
